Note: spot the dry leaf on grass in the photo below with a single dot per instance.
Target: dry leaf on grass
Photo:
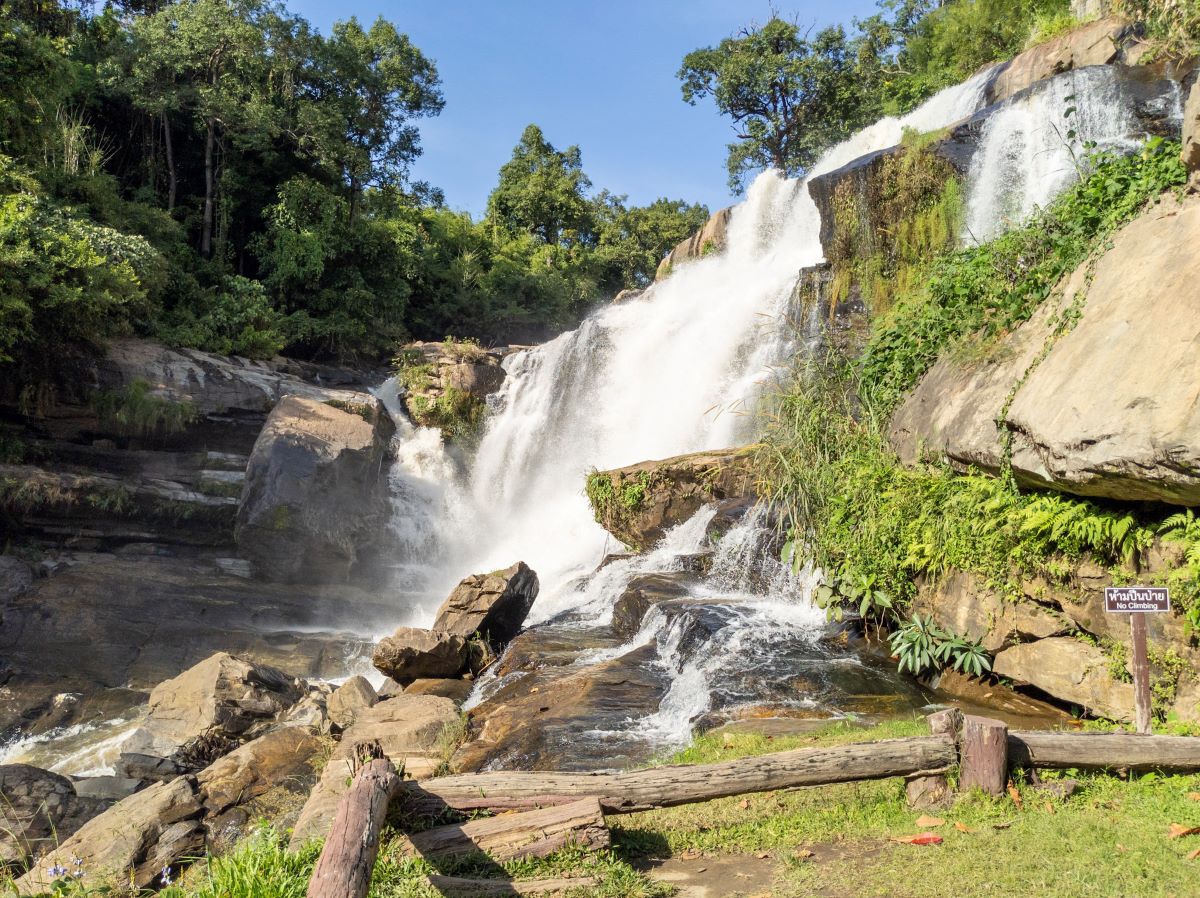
(1015, 795)
(1178, 829)
(963, 828)
(926, 822)
(1001, 825)
(804, 852)
(1193, 855)
(1194, 796)
(920, 839)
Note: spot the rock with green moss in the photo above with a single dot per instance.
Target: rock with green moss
(640, 503)
(446, 385)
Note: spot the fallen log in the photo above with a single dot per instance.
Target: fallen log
(660, 787)
(457, 887)
(1100, 751)
(528, 834)
(348, 858)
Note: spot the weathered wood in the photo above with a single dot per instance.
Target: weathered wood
(457, 887)
(658, 787)
(1141, 673)
(348, 858)
(528, 834)
(929, 791)
(983, 746)
(1099, 751)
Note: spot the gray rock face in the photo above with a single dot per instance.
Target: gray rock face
(642, 594)
(1109, 411)
(1097, 43)
(15, 577)
(37, 809)
(315, 500)
(211, 384)
(494, 604)
(1070, 670)
(412, 653)
(207, 709)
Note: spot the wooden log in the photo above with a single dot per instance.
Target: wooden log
(984, 749)
(933, 790)
(528, 834)
(457, 887)
(1100, 751)
(348, 858)
(660, 787)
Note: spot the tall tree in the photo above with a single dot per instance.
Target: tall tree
(207, 60)
(789, 95)
(365, 89)
(542, 191)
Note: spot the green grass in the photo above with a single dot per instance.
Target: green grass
(1109, 839)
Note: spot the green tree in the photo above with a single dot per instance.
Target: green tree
(543, 191)
(632, 241)
(789, 95)
(362, 94)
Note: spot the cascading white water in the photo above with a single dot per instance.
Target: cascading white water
(1033, 148)
(675, 371)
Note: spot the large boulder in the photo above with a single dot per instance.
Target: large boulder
(1191, 129)
(410, 729)
(1096, 43)
(15, 577)
(349, 700)
(38, 809)
(315, 500)
(1070, 670)
(208, 709)
(446, 384)
(413, 653)
(494, 605)
(129, 843)
(711, 238)
(643, 593)
(640, 503)
(1105, 409)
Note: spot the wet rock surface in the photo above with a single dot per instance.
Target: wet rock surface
(37, 810)
(642, 594)
(711, 238)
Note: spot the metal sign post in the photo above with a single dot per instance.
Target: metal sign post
(1137, 602)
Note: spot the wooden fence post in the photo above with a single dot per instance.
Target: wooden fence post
(931, 790)
(984, 755)
(348, 858)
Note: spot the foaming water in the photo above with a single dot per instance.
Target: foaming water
(678, 370)
(1028, 154)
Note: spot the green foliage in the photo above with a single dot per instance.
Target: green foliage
(135, 411)
(977, 294)
(456, 413)
(542, 191)
(922, 646)
(64, 279)
(789, 95)
(1173, 25)
(1183, 530)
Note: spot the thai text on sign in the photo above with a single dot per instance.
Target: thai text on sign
(1128, 599)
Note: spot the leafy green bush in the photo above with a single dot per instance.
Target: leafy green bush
(135, 411)
(922, 646)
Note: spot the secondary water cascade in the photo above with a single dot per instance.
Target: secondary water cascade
(679, 370)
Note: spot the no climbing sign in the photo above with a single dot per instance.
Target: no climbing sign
(1137, 602)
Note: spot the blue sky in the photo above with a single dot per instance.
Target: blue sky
(599, 74)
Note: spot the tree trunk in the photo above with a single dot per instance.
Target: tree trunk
(529, 834)
(658, 787)
(210, 186)
(984, 755)
(172, 180)
(1097, 751)
(348, 858)
(456, 887)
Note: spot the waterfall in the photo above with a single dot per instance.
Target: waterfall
(677, 370)
(1033, 148)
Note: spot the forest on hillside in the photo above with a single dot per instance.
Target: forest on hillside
(218, 174)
